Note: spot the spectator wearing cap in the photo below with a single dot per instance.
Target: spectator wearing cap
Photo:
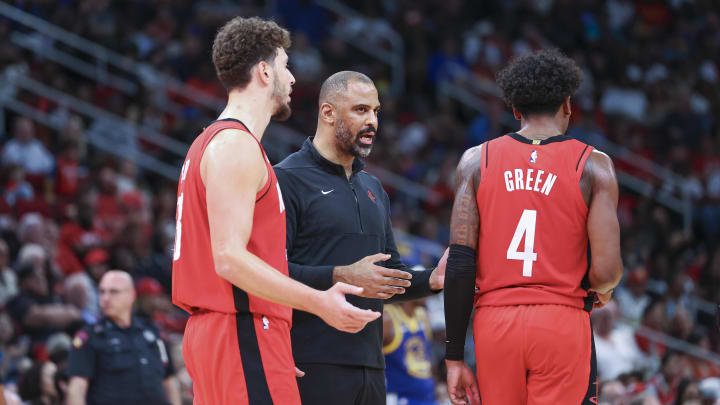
(154, 304)
(148, 291)
(96, 263)
(120, 360)
(38, 311)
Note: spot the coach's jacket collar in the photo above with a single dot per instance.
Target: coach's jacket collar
(334, 168)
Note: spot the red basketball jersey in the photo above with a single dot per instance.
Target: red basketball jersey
(195, 285)
(533, 242)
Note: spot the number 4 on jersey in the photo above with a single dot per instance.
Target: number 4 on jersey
(526, 227)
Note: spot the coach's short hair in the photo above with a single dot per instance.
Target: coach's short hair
(242, 43)
(539, 82)
(338, 83)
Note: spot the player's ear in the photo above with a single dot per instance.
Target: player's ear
(327, 113)
(263, 70)
(516, 113)
(567, 109)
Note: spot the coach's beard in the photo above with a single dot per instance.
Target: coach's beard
(349, 143)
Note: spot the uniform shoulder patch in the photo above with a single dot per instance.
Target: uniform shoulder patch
(81, 337)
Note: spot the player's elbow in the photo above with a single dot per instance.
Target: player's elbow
(224, 264)
(605, 274)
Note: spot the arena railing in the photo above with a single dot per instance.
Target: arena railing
(353, 23)
(674, 343)
(106, 66)
(44, 46)
(107, 131)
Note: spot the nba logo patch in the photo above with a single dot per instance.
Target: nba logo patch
(371, 196)
(533, 156)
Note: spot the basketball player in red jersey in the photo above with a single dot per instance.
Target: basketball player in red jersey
(539, 208)
(230, 267)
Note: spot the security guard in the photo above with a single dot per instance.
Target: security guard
(121, 359)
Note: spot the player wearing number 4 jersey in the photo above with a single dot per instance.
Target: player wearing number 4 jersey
(230, 268)
(534, 245)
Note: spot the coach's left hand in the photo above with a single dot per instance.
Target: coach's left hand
(437, 278)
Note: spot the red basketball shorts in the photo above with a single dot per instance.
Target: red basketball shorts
(240, 359)
(535, 355)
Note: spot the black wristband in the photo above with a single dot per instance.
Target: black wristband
(459, 295)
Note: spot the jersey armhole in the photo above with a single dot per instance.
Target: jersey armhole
(580, 165)
(260, 194)
(223, 125)
(483, 159)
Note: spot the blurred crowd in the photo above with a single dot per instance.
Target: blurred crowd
(69, 212)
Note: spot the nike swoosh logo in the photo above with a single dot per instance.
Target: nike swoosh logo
(327, 192)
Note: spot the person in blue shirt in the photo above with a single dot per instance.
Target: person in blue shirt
(406, 346)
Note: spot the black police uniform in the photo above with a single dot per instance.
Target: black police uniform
(335, 221)
(123, 365)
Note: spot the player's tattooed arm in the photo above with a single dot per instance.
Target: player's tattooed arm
(460, 277)
(465, 219)
(461, 264)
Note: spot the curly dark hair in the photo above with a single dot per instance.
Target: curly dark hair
(539, 82)
(243, 42)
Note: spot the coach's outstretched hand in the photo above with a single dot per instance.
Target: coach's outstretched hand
(461, 384)
(376, 281)
(340, 314)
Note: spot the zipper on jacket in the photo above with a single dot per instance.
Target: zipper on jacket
(357, 204)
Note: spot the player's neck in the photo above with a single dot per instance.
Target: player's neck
(251, 108)
(540, 127)
(324, 143)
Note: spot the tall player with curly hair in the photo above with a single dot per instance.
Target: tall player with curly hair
(230, 268)
(535, 243)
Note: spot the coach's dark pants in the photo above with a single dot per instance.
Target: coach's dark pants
(341, 385)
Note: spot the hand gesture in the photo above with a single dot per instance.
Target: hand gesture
(340, 314)
(376, 281)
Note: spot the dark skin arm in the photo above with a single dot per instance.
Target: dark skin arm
(465, 218)
(599, 187)
(464, 230)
